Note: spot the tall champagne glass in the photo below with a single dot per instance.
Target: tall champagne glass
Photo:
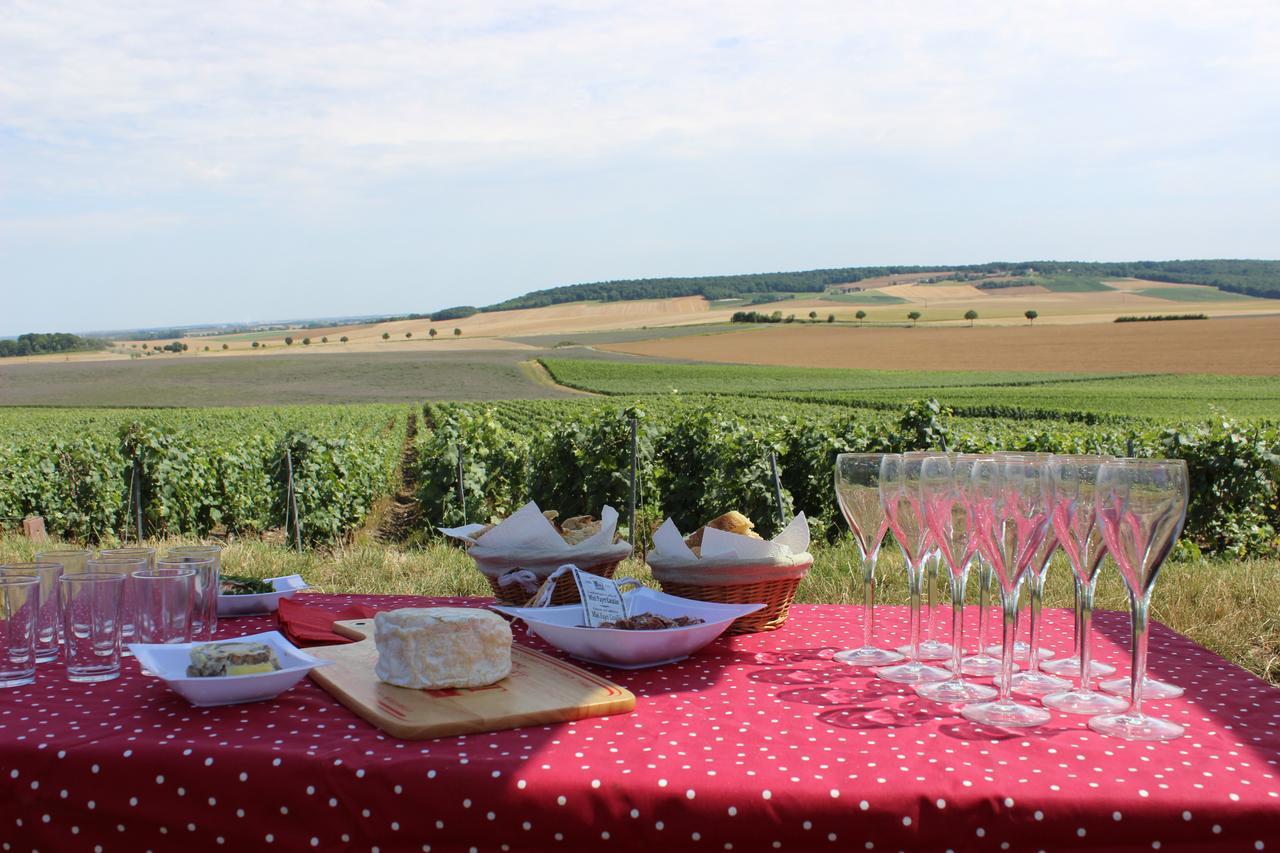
(1031, 681)
(1010, 501)
(1070, 665)
(1142, 504)
(982, 662)
(930, 647)
(1073, 481)
(858, 493)
(904, 510)
(948, 517)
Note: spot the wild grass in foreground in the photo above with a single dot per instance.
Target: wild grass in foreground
(1230, 607)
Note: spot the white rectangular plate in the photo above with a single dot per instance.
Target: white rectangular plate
(169, 663)
(261, 602)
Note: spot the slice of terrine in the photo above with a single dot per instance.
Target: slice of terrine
(215, 659)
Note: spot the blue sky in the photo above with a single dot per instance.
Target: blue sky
(245, 160)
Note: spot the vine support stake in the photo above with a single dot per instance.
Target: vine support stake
(136, 488)
(462, 491)
(777, 487)
(291, 502)
(631, 507)
(1129, 447)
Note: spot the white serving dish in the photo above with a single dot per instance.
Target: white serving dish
(261, 602)
(622, 649)
(169, 663)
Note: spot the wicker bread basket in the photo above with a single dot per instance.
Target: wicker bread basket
(725, 581)
(565, 593)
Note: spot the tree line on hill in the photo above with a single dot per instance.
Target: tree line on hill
(52, 342)
(1248, 277)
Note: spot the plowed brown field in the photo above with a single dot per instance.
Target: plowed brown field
(1241, 346)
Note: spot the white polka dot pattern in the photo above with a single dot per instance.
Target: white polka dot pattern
(761, 742)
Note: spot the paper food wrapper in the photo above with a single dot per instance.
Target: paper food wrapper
(528, 541)
(731, 558)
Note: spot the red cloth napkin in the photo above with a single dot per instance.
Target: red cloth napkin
(313, 626)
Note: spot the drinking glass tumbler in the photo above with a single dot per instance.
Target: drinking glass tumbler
(71, 559)
(46, 576)
(19, 610)
(92, 603)
(124, 566)
(208, 585)
(164, 597)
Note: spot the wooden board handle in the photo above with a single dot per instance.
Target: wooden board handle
(356, 629)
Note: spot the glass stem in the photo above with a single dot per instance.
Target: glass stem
(957, 620)
(869, 598)
(1035, 586)
(1009, 606)
(1075, 641)
(931, 590)
(915, 580)
(1139, 604)
(984, 587)
(1084, 602)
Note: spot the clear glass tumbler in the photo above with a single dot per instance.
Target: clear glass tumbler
(46, 575)
(123, 565)
(164, 597)
(208, 585)
(19, 615)
(92, 606)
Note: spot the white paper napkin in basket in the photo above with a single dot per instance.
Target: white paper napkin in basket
(529, 541)
(730, 557)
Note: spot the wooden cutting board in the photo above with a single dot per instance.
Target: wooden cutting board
(541, 689)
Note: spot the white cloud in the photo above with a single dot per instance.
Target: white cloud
(256, 95)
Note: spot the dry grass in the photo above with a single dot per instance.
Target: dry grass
(1235, 346)
(1229, 607)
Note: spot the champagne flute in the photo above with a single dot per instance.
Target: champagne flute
(981, 662)
(858, 493)
(1142, 504)
(930, 648)
(1010, 501)
(1071, 665)
(949, 518)
(1031, 681)
(1074, 482)
(900, 495)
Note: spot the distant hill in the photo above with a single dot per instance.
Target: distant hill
(1248, 277)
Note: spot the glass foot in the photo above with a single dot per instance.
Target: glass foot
(955, 691)
(1136, 727)
(867, 656)
(930, 650)
(1037, 684)
(913, 672)
(1070, 667)
(1006, 714)
(1151, 688)
(1085, 702)
(980, 665)
(1022, 652)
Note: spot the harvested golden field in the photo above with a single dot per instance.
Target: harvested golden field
(1231, 346)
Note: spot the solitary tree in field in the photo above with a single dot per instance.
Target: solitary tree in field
(432, 331)
(226, 346)
(861, 315)
(1031, 316)
(306, 342)
(288, 341)
(831, 318)
(254, 345)
(457, 333)
(408, 334)
(386, 336)
(206, 348)
(813, 316)
(971, 315)
(913, 316)
(325, 339)
(343, 339)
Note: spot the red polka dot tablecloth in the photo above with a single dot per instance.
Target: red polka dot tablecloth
(760, 742)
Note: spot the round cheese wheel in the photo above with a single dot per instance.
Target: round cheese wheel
(439, 647)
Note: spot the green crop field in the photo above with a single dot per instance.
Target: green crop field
(1073, 396)
(865, 297)
(1189, 293)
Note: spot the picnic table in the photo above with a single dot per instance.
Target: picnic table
(760, 742)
